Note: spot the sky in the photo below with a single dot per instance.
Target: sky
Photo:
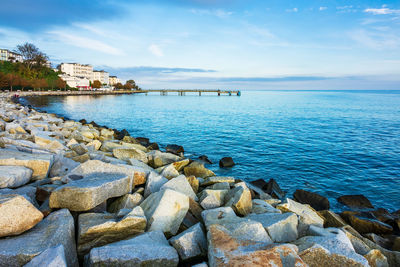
(226, 44)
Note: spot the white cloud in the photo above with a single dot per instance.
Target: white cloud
(295, 9)
(321, 8)
(156, 50)
(85, 42)
(220, 13)
(382, 11)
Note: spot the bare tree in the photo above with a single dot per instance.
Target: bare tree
(32, 55)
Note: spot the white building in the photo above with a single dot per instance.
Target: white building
(102, 76)
(77, 70)
(7, 55)
(81, 83)
(113, 80)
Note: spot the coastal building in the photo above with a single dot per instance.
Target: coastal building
(77, 70)
(7, 55)
(102, 76)
(113, 80)
(82, 83)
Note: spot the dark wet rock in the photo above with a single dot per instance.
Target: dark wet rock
(143, 141)
(331, 219)
(315, 200)
(366, 223)
(226, 162)
(272, 187)
(153, 146)
(205, 159)
(381, 241)
(122, 134)
(384, 216)
(355, 201)
(83, 121)
(94, 124)
(175, 149)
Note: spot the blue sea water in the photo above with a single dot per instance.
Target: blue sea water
(329, 142)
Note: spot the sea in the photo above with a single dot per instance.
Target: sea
(329, 142)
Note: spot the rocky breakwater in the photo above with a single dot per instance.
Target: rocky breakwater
(74, 193)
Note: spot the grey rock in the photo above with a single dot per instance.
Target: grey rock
(191, 243)
(128, 201)
(332, 239)
(62, 166)
(165, 210)
(39, 163)
(51, 257)
(14, 176)
(56, 229)
(158, 159)
(280, 227)
(262, 206)
(90, 191)
(97, 229)
(148, 249)
(210, 199)
(180, 184)
(153, 183)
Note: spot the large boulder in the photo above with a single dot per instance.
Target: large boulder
(239, 198)
(315, 200)
(334, 247)
(271, 188)
(158, 159)
(51, 257)
(280, 227)
(90, 191)
(14, 176)
(97, 166)
(180, 184)
(17, 215)
(307, 215)
(197, 169)
(165, 210)
(153, 183)
(40, 164)
(364, 223)
(226, 162)
(234, 241)
(175, 149)
(56, 229)
(355, 201)
(331, 219)
(190, 244)
(126, 153)
(98, 229)
(47, 142)
(210, 199)
(148, 249)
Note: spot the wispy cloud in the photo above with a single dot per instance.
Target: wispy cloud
(378, 39)
(156, 50)
(220, 13)
(295, 9)
(84, 42)
(346, 9)
(322, 8)
(382, 11)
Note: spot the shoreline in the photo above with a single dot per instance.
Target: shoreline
(189, 184)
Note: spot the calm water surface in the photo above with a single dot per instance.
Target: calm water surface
(331, 143)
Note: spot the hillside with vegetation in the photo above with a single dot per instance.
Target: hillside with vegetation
(31, 74)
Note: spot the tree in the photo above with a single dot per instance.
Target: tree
(60, 83)
(24, 83)
(119, 86)
(96, 84)
(12, 80)
(128, 86)
(131, 82)
(32, 55)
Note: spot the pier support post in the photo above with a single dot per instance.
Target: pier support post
(199, 93)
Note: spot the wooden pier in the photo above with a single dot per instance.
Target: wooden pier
(182, 92)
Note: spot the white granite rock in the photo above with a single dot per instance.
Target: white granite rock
(14, 176)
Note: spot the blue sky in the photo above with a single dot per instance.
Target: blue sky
(248, 44)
